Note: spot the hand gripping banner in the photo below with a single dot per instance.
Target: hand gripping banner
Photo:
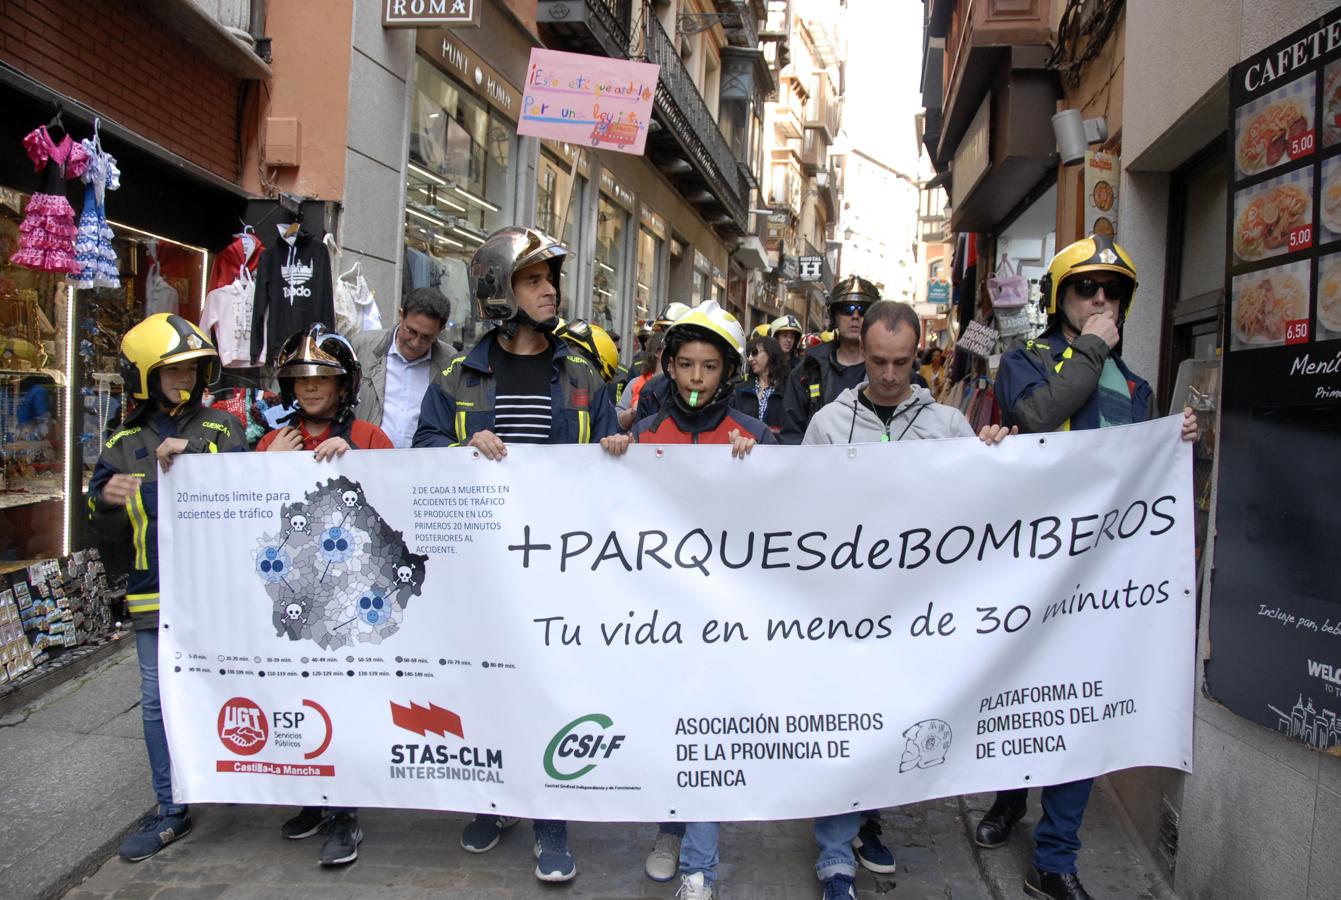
(675, 634)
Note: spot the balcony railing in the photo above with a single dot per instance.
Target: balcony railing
(682, 108)
(591, 26)
(822, 109)
(689, 131)
(742, 28)
(931, 232)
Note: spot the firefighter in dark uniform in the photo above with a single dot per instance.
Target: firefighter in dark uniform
(832, 367)
(520, 384)
(166, 362)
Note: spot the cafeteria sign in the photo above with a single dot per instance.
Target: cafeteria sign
(431, 13)
(580, 99)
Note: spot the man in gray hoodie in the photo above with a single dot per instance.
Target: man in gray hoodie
(888, 406)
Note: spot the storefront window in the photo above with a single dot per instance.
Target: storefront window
(607, 300)
(558, 211)
(649, 274)
(60, 386)
(457, 189)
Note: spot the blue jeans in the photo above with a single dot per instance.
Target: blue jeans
(1057, 836)
(698, 850)
(833, 834)
(675, 828)
(151, 712)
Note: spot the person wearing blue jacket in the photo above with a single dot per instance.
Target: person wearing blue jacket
(1071, 377)
(166, 362)
(519, 385)
(760, 395)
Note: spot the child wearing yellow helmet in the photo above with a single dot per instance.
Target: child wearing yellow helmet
(702, 357)
(166, 362)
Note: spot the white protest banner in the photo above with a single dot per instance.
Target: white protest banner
(563, 634)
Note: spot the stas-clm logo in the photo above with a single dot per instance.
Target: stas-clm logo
(579, 741)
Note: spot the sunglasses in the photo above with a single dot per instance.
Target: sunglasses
(1118, 289)
(850, 309)
(753, 351)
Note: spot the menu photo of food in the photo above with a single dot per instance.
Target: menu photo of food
(1274, 217)
(1329, 298)
(1270, 308)
(1331, 104)
(1276, 128)
(1330, 214)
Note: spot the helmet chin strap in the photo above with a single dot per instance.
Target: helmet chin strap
(522, 317)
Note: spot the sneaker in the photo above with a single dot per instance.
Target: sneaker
(839, 887)
(342, 846)
(664, 860)
(307, 823)
(153, 833)
(871, 851)
(694, 887)
(483, 833)
(554, 862)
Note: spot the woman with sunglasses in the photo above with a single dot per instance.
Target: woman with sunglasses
(760, 394)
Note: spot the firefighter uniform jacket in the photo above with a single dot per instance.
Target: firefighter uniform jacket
(1050, 385)
(814, 382)
(462, 401)
(131, 451)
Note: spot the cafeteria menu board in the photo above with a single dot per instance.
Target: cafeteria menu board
(1275, 612)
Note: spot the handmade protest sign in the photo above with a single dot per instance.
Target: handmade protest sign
(563, 634)
(588, 100)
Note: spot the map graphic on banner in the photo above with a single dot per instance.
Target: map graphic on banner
(888, 649)
(336, 572)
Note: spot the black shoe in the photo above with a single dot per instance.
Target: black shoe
(342, 846)
(308, 822)
(995, 827)
(1055, 885)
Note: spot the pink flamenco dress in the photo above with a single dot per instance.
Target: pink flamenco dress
(47, 235)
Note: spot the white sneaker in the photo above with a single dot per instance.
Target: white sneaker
(664, 860)
(693, 887)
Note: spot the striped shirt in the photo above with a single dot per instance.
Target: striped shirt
(523, 410)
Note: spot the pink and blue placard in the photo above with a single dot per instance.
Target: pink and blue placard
(587, 100)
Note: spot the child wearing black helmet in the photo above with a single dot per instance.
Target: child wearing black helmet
(319, 378)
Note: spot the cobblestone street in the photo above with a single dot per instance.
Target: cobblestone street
(235, 852)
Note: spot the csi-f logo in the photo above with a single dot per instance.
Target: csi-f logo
(579, 741)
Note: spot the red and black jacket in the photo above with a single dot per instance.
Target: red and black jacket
(712, 424)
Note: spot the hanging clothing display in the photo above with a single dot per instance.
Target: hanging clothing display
(159, 295)
(47, 235)
(353, 293)
(228, 310)
(93, 244)
(243, 252)
(293, 290)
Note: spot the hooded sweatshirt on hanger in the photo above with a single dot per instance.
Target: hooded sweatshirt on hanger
(293, 290)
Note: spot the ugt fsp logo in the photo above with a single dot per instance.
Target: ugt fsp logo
(242, 726)
(579, 741)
